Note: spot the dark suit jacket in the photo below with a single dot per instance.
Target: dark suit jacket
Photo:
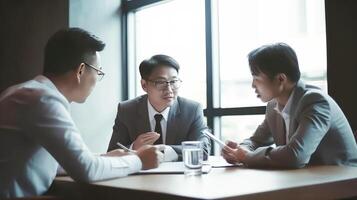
(319, 134)
(185, 122)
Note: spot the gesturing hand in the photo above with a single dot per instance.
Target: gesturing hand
(147, 138)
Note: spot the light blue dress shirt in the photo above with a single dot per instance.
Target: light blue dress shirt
(36, 133)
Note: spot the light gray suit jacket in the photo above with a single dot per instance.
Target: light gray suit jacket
(319, 133)
(36, 133)
(185, 122)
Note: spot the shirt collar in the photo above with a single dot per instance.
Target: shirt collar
(153, 112)
(47, 82)
(286, 109)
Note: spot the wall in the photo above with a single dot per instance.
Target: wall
(95, 118)
(341, 30)
(25, 27)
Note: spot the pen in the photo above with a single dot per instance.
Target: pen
(125, 148)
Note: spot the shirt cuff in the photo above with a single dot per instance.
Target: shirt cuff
(170, 154)
(132, 162)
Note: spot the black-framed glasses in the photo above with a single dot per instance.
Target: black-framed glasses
(162, 85)
(100, 73)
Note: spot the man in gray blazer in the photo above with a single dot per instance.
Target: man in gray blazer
(306, 125)
(179, 119)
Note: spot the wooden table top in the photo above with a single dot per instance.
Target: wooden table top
(236, 182)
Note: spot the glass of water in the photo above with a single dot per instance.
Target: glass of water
(192, 155)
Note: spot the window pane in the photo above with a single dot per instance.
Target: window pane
(175, 28)
(246, 25)
(238, 128)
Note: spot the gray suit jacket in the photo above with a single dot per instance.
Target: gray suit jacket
(319, 133)
(185, 122)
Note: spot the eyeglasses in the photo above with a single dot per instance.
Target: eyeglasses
(100, 73)
(162, 85)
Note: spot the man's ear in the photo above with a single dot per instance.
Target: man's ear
(80, 71)
(144, 85)
(281, 77)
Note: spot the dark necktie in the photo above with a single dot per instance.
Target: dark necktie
(158, 118)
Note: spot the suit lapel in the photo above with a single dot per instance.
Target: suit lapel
(172, 128)
(143, 124)
(280, 128)
(299, 91)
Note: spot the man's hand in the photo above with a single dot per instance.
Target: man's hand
(116, 152)
(231, 144)
(147, 138)
(241, 153)
(233, 153)
(149, 156)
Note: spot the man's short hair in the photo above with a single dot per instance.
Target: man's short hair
(147, 66)
(274, 59)
(67, 48)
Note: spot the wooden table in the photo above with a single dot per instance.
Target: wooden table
(318, 182)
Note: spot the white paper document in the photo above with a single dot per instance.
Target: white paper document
(214, 138)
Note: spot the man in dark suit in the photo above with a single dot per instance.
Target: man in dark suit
(160, 116)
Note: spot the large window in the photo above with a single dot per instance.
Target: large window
(211, 39)
(245, 25)
(177, 30)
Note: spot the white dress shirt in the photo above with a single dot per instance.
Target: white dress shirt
(36, 133)
(169, 153)
(285, 114)
(165, 115)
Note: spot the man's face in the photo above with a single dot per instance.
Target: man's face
(265, 88)
(160, 94)
(89, 78)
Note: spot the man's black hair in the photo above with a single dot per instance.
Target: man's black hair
(147, 66)
(274, 59)
(67, 48)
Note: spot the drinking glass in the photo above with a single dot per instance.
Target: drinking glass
(192, 155)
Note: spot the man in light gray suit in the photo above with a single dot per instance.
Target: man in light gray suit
(306, 125)
(159, 117)
(37, 132)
